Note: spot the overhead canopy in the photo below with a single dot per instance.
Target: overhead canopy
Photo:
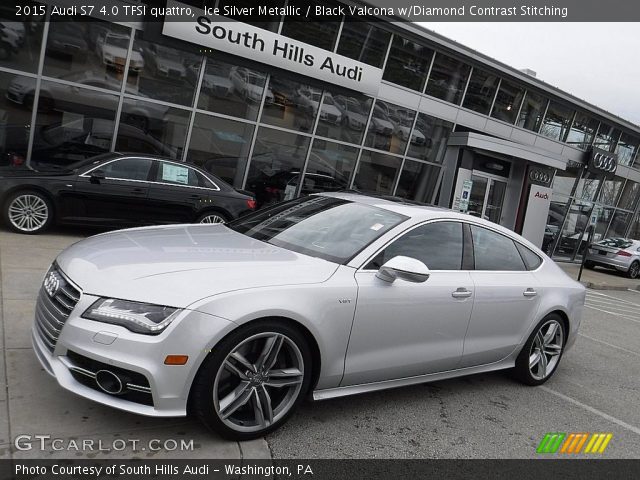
(507, 147)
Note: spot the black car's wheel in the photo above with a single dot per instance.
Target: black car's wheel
(28, 212)
(589, 264)
(212, 217)
(253, 380)
(634, 270)
(540, 356)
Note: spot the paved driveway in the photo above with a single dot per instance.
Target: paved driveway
(597, 389)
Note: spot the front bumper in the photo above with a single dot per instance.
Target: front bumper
(192, 333)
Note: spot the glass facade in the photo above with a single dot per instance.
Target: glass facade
(102, 86)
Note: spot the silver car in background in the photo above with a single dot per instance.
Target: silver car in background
(622, 254)
(324, 296)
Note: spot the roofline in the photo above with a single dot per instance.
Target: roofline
(460, 49)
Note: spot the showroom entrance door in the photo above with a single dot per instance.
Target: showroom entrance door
(487, 196)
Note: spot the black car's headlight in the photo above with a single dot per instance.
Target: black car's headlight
(138, 317)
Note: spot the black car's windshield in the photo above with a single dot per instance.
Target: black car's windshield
(330, 228)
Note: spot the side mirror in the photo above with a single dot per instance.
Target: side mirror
(96, 176)
(404, 268)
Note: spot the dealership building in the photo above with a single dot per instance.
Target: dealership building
(285, 107)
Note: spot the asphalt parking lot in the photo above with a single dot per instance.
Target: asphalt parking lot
(597, 389)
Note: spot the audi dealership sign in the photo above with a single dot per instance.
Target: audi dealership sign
(603, 162)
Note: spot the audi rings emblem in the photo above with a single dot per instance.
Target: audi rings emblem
(52, 283)
(539, 176)
(604, 162)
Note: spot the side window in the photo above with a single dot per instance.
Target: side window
(438, 245)
(177, 174)
(493, 251)
(531, 259)
(128, 169)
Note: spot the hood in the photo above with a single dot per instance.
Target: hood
(179, 264)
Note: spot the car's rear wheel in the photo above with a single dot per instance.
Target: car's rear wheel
(28, 212)
(540, 356)
(634, 270)
(212, 217)
(253, 380)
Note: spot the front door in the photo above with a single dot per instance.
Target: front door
(402, 329)
(487, 195)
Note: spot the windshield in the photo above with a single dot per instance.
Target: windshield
(121, 42)
(333, 229)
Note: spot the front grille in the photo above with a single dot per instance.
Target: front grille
(56, 300)
(136, 386)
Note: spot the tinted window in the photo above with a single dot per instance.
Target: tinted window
(493, 251)
(447, 79)
(531, 259)
(480, 91)
(437, 245)
(128, 169)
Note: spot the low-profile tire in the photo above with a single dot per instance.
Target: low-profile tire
(541, 355)
(590, 265)
(28, 211)
(253, 380)
(634, 270)
(212, 217)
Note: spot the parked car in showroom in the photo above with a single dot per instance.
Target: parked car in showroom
(621, 254)
(117, 189)
(112, 48)
(326, 295)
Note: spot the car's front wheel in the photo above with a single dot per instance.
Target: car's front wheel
(28, 212)
(252, 380)
(541, 355)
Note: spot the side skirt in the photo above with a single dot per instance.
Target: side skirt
(328, 393)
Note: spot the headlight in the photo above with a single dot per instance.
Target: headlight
(137, 317)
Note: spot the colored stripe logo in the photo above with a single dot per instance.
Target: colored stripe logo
(557, 442)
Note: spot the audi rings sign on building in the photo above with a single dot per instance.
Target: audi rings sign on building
(603, 162)
(540, 177)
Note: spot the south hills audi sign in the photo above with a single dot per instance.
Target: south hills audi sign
(602, 162)
(237, 38)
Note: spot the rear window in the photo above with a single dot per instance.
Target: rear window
(615, 242)
(531, 259)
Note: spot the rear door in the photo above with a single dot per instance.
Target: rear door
(506, 298)
(178, 193)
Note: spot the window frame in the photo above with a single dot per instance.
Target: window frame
(423, 223)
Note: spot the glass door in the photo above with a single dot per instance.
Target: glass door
(486, 198)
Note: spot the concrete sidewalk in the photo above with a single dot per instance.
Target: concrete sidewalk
(32, 403)
(600, 278)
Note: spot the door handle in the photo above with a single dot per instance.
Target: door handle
(138, 191)
(529, 292)
(461, 293)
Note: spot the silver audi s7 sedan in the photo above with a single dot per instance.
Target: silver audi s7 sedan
(323, 296)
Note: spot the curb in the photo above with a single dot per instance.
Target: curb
(598, 286)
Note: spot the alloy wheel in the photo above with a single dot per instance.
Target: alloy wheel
(212, 219)
(634, 270)
(258, 382)
(28, 212)
(546, 349)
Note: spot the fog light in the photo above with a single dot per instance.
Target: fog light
(176, 359)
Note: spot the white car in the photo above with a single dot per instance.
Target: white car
(112, 50)
(403, 130)
(250, 85)
(325, 295)
(353, 115)
(309, 100)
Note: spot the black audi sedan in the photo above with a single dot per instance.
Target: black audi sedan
(115, 189)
